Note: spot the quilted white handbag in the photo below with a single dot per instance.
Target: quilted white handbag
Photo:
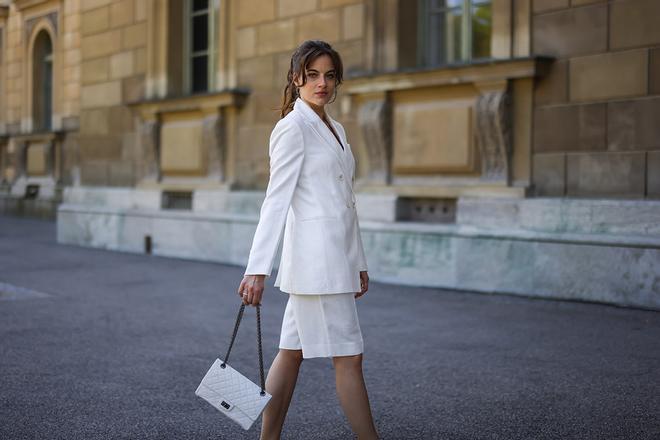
(229, 391)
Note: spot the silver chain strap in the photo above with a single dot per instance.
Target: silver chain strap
(261, 355)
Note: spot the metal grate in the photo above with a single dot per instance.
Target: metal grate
(428, 210)
(177, 200)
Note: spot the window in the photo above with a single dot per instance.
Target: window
(42, 82)
(454, 31)
(199, 50)
(2, 91)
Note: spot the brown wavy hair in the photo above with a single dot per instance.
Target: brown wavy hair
(301, 58)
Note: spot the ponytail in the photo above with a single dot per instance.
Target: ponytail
(290, 93)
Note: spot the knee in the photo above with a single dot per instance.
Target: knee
(294, 356)
(348, 362)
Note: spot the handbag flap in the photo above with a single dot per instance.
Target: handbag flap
(230, 386)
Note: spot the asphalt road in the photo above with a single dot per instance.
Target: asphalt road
(108, 345)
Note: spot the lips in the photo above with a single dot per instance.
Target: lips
(321, 93)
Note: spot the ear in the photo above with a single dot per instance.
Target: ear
(296, 81)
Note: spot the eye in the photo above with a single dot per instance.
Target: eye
(312, 74)
(331, 75)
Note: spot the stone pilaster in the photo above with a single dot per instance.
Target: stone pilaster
(50, 147)
(148, 157)
(374, 118)
(213, 140)
(493, 133)
(19, 159)
(3, 164)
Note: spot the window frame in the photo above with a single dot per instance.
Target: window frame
(211, 51)
(42, 86)
(424, 56)
(3, 103)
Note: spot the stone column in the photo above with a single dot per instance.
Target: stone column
(374, 118)
(493, 119)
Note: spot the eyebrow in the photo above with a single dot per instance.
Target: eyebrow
(314, 70)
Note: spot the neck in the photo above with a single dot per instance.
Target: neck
(318, 110)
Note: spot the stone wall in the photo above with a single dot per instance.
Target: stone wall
(267, 33)
(39, 152)
(577, 123)
(113, 41)
(61, 20)
(595, 133)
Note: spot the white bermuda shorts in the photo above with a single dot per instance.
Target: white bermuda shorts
(322, 325)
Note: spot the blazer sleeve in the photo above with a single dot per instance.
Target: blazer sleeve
(286, 151)
(362, 259)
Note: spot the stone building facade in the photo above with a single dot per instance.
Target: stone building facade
(501, 145)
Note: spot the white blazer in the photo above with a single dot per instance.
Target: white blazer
(310, 196)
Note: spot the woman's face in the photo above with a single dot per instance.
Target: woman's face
(320, 85)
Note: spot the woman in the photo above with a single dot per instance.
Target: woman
(322, 267)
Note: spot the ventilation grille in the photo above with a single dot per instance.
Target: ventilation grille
(177, 200)
(427, 210)
(31, 191)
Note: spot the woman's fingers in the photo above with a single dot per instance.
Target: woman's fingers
(251, 289)
(364, 284)
(241, 287)
(252, 294)
(246, 295)
(256, 298)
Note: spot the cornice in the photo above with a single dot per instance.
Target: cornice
(27, 4)
(205, 103)
(478, 72)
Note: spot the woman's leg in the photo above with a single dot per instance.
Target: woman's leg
(280, 383)
(353, 396)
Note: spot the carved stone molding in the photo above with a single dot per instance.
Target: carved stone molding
(51, 162)
(213, 140)
(148, 158)
(22, 5)
(19, 159)
(494, 134)
(215, 115)
(30, 23)
(374, 118)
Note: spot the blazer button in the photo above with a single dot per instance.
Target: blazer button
(341, 177)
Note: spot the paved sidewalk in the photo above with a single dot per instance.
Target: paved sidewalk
(108, 345)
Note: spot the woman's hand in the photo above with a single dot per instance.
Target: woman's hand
(251, 289)
(364, 283)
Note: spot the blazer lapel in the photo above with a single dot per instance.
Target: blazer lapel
(345, 156)
(324, 132)
(316, 123)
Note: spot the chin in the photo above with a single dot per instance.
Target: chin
(320, 101)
